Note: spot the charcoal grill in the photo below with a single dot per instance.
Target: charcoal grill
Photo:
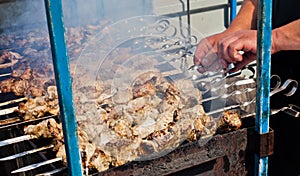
(25, 155)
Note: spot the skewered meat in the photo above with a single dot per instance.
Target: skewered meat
(33, 61)
(9, 58)
(92, 156)
(116, 126)
(39, 106)
(46, 129)
(25, 83)
(154, 121)
(152, 118)
(230, 121)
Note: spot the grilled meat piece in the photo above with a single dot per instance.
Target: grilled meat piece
(39, 106)
(153, 119)
(6, 85)
(46, 129)
(9, 59)
(23, 83)
(230, 121)
(92, 157)
(100, 160)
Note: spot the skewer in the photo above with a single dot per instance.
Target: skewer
(247, 103)
(12, 101)
(16, 140)
(236, 92)
(6, 65)
(10, 120)
(18, 155)
(52, 172)
(15, 121)
(8, 110)
(36, 165)
(284, 86)
(244, 104)
(236, 83)
(292, 110)
(5, 74)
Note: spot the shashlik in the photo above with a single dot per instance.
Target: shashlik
(92, 156)
(40, 106)
(150, 119)
(31, 66)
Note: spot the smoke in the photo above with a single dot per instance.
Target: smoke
(31, 13)
(20, 15)
(82, 12)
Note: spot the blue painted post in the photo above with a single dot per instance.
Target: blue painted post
(64, 85)
(233, 6)
(264, 36)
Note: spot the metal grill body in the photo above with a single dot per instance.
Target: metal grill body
(224, 154)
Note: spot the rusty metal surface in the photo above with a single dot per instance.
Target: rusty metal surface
(223, 155)
(261, 144)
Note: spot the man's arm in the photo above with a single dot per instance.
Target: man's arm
(246, 17)
(245, 20)
(286, 37)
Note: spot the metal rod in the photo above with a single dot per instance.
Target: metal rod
(36, 165)
(64, 86)
(52, 172)
(16, 140)
(189, 20)
(12, 101)
(9, 121)
(264, 36)
(199, 10)
(6, 65)
(18, 155)
(233, 5)
(233, 93)
(247, 103)
(15, 121)
(8, 110)
(5, 74)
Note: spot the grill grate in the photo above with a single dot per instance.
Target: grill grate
(23, 154)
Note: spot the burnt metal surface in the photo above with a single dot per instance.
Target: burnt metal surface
(224, 154)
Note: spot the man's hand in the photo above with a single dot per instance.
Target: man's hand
(238, 48)
(206, 53)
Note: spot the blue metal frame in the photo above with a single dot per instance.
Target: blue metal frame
(233, 7)
(264, 36)
(64, 86)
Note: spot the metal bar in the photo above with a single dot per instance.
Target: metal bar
(199, 10)
(12, 101)
(15, 121)
(52, 172)
(233, 5)
(64, 86)
(9, 121)
(189, 20)
(36, 165)
(16, 140)
(28, 152)
(264, 35)
(41, 154)
(5, 74)
(8, 110)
